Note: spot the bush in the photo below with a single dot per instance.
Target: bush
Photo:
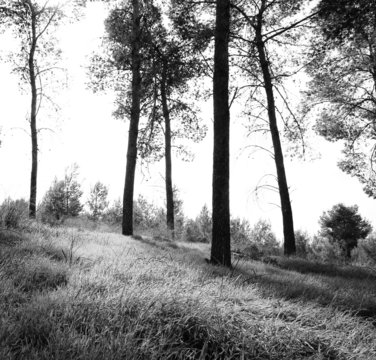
(114, 213)
(62, 199)
(322, 249)
(14, 213)
(365, 252)
(263, 237)
(302, 242)
(192, 232)
(240, 231)
(97, 200)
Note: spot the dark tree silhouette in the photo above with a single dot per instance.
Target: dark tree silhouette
(221, 242)
(344, 225)
(127, 225)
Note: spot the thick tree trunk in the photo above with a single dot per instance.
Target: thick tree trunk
(169, 190)
(221, 243)
(33, 122)
(288, 224)
(127, 226)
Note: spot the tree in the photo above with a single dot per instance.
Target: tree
(265, 28)
(98, 200)
(221, 240)
(342, 89)
(63, 197)
(169, 60)
(32, 24)
(345, 226)
(135, 34)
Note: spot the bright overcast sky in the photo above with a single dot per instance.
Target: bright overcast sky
(86, 133)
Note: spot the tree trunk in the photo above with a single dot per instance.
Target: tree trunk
(221, 243)
(169, 190)
(33, 121)
(288, 224)
(127, 226)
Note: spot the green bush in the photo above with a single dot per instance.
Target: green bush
(14, 213)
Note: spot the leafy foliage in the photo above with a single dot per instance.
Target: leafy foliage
(98, 200)
(63, 198)
(13, 213)
(342, 66)
(344, 226)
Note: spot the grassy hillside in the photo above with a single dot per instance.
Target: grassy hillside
(70, 294)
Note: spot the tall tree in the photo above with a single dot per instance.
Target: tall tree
(264, 22)
(343, 86)
(168, 63)
(221, 242)
(127, 225)
(32, 23)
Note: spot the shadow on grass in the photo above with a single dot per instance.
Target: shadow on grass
(310, 267)
(326, 285)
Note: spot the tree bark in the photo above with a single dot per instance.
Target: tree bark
(168, 175)
(33, 119)
(288, 224)
(221, 243)
(127, 224)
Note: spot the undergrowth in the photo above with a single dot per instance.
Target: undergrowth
(70, 294)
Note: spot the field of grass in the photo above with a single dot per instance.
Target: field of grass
(74, 294)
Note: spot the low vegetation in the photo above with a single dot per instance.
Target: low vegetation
(68, 293)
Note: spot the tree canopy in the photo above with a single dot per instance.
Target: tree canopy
(344, 226)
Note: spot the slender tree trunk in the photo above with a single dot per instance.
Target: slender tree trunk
(288, 224)
(127, 226)
(169, 190)
(221, 243)
(33, 121)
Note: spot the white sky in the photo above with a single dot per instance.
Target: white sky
(86, 133)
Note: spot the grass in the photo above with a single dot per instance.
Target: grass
(74, 294)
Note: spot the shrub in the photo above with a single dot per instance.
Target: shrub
(62, 199)
(302, 242)
(14, 213)
(192, 232)
(114, 213)
(240, 231)
(97, 200)
(263, 237)
(365, 252)
(322, 249)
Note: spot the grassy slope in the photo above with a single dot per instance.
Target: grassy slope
(68, 294)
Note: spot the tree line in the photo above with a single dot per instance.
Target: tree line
(154, 55)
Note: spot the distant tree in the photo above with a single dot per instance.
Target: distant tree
(344, 225)
(98, 200)
(63, 197)
(32, 23)
(204, 221)
(114, 213)
(262, 234)
(240, 230)
(343, 86)
(221, 239)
